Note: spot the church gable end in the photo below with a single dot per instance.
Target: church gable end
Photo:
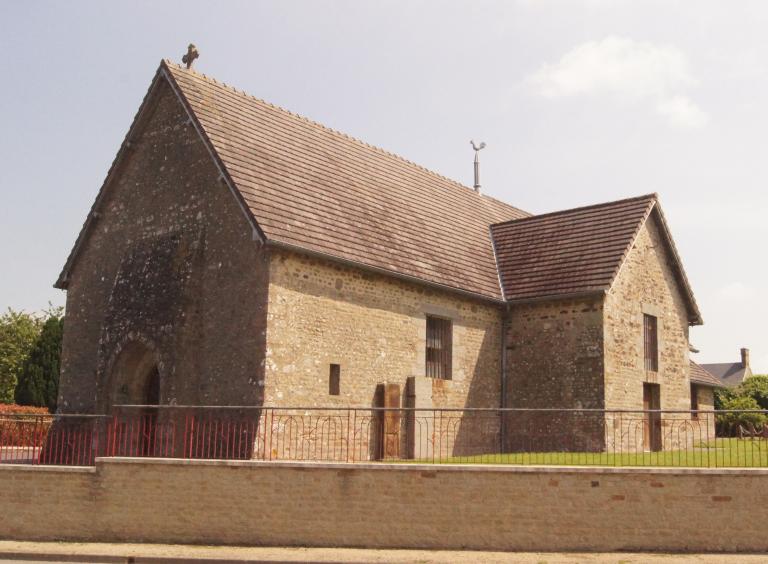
(166, 259)
(647, 315)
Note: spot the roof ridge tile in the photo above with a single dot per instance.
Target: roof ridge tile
(650, 197)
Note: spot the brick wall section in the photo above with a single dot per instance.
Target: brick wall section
(374, 327)
(170, 264)
(381, 506)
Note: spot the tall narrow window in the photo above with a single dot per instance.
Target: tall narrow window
(334, 380)
(651, 342)
(439, 347)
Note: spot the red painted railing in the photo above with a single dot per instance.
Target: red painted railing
(49, 439)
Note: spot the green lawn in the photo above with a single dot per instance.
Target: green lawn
(720, 453)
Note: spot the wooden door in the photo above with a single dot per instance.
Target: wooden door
(386, 423)
(652, 421)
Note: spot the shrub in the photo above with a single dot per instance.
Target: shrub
(722, 396)
(731, 424)
(755, 387)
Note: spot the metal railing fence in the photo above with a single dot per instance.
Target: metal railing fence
(435, 436)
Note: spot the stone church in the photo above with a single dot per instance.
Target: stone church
(240, 254)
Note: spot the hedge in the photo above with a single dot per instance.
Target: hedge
(28, 430)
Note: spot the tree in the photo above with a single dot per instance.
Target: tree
(736, 418)
(755, 387)
(18, 333)
(38, 383)
(723, 396)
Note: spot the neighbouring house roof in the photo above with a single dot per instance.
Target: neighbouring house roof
(729, 373)
(701, 376)
(577, 251)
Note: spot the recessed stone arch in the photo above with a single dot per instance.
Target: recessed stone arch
(135, 375)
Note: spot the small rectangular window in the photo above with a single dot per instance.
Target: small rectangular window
(651, 343)
(694, 401)
(439, 348)
(334, 380)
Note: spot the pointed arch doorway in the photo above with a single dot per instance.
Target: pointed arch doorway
(135, 381)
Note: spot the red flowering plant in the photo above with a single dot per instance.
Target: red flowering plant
(23, 425)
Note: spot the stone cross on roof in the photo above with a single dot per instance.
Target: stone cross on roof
(192, 54)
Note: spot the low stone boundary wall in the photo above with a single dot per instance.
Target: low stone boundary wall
(387, 505)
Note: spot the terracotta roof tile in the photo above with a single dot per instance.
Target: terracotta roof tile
(569, 252)
(317, 189)
(700, 375)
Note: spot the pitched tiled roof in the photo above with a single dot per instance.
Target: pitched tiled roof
(316, 189)
(313, 189)
(729, 373)
(699, 375)
(575, 252)
(567, 252)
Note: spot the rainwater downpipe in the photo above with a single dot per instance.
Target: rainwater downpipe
(503, 400)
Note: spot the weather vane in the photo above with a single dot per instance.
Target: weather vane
(477, 149)
(192, 54)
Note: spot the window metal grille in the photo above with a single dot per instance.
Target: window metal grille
(439, 347)
(651, 343)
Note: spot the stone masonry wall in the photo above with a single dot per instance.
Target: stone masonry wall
(171, 269)
(646, 285)
(704, 424)
(388, 506)
(374, 327)
(554, 360)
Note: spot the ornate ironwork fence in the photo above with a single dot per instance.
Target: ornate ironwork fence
(439, 436)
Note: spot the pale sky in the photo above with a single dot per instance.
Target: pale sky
(579, 101)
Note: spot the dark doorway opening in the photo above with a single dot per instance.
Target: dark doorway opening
(149, 415)
(652, 421)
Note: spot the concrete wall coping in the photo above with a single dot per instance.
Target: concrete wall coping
(47, 468)
(390, 467)
(406, 467)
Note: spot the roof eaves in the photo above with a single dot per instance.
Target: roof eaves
(274, 243)
(708, 383)
(706, 379)
(557, 297)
